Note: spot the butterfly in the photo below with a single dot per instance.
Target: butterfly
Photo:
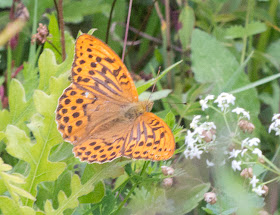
(99, 113)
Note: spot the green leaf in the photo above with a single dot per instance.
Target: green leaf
(44, 130)
(148, 84)
(8, 206)
(155, 95)
(12, 182)
(99, 172)
(152, 201)
(185, 198)
(20, 109)
(74, 11)
(239, 32)
(4, 118)
(55, 37)
(170, 119)
(187, 19)
(213, 63)
(95, 196)
(48, 66)
(273, 51)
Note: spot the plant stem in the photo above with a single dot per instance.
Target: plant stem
(32, 47)
(132, 189)
(9, 66)
(109, 21)
(61, 26)
(126, 29)
(274, 179)
(248, 15)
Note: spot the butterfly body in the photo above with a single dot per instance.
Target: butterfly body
(99, 113)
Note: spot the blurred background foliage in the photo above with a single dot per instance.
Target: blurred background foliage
(224, 45)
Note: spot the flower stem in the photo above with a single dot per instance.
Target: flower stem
(132, 189)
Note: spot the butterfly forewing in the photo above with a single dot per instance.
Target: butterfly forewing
(99, 69)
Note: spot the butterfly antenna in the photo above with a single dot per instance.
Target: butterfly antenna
(154, 85)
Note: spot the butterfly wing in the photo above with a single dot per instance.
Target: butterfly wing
(71, 112)
(101, 84)
(89, 113)
(150, 138)
(98, 69)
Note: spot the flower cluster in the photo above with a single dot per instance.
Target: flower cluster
(203, 135)
(275, 125)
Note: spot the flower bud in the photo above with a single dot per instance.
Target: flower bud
(246, 126)
(42, 33)
(261, 160)
(247, 173)
(208, 136)
(167, 182)
(210, 198)
(166, 170)
(265, 188)
(263, 212)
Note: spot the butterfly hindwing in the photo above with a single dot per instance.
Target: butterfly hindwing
(98, 150)
(150, 138)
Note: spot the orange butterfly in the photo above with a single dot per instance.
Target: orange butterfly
(99, 113)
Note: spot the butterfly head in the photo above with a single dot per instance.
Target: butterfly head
(148, 105)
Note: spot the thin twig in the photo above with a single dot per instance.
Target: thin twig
(109, 21)
(126, 30)
(159, 12)
(144, 35)
(50, 42)
(61, 26)
(168, 42)
(138, 31)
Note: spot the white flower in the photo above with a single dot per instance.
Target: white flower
(193, 152)
(275, 117)
(195, 121)
(209, 163)
(190, 140)
(243, 152)
(254, 142)
(245, 142)
(275, 126)
(235, 165)
(196, 153)
(224, 99)
(187, 153)
(234, 153)
(203, 102)
(211, 97)
(257, 152)
(259, 190)
(239, 110)
(254, 181)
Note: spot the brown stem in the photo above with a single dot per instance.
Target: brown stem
(126, 30)
(61, 26)
(168, 40)
(109, 21)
